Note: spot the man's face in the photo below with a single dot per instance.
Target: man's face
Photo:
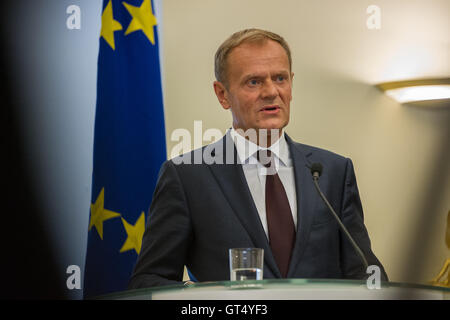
(259, 88)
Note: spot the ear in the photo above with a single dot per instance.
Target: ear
(221, 93)
(292, 84)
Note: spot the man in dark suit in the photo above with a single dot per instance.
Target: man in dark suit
(253, 188)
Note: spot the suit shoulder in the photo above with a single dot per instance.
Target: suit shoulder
(202, 155)
(332, 162)
(309, 150)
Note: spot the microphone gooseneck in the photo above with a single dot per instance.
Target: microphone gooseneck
(316, 171)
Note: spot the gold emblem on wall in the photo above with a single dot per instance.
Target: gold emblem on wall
(441, 279)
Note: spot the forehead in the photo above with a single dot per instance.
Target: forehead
(257, 56)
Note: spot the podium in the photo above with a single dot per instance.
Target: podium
(286, 289)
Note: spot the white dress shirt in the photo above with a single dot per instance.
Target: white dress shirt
(255, 173)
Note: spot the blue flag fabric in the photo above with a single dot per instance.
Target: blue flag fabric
(129, 143)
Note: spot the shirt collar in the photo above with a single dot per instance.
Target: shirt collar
(246, 149)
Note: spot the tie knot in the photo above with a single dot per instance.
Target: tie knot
(265, 157)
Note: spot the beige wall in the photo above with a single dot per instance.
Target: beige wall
(400, 152)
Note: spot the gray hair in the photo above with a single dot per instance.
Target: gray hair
(247, 35)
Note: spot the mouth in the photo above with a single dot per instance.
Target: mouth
(272, 109)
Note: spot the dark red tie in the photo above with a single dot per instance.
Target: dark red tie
(279, 215)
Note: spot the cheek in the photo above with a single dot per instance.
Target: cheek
(246, 103)
(287, 94)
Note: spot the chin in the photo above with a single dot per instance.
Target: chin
(274, 125)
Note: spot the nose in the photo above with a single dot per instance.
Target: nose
(269, 90)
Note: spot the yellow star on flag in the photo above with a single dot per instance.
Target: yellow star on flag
(143, 19)
(135, 233)
(99, 214)
(109, 25)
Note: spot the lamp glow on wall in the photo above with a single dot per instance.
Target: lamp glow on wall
(422, 91)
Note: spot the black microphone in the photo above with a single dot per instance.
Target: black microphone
(316, 171)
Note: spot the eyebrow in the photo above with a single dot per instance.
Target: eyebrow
(260, 76)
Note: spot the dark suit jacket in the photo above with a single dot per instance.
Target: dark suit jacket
(199, 211)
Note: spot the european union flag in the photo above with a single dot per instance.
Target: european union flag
(129, 142)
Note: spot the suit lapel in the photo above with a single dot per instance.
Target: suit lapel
(234, 186)
(305, 193)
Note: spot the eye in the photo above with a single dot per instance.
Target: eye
(280, 78)
(253, 82)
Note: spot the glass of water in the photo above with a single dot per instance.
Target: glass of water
(246, 264)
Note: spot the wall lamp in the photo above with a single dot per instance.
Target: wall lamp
(421, 91)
